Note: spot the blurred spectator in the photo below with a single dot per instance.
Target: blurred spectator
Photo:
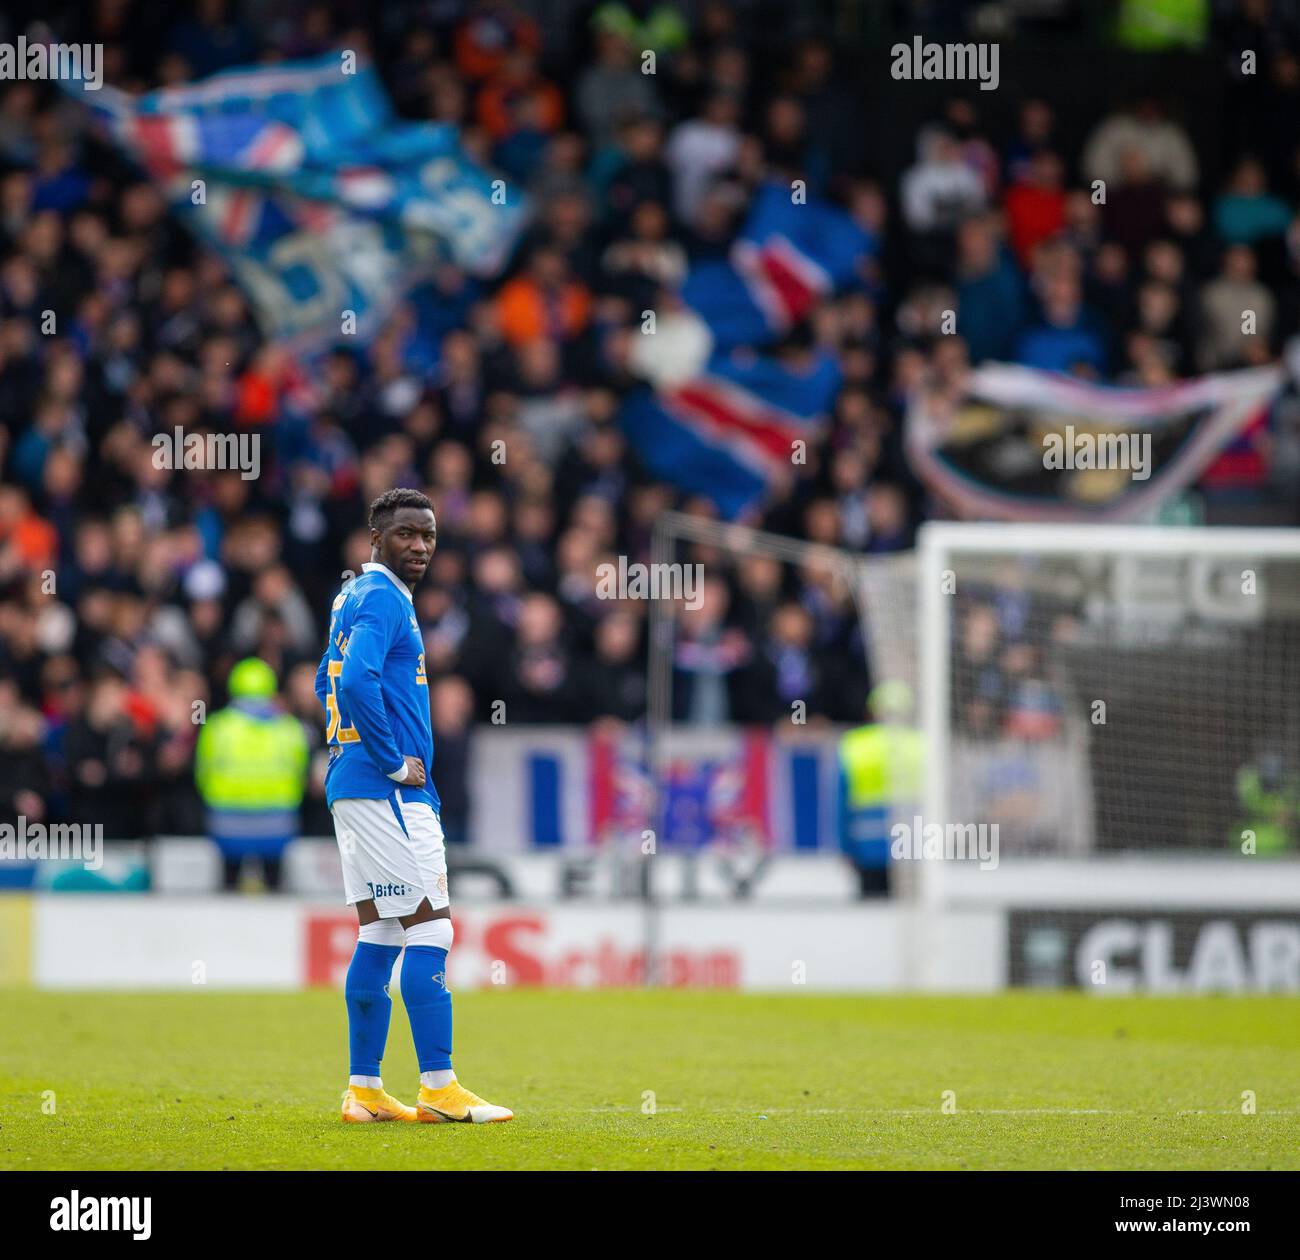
(1066, 337)
(1246, 211)
(707, 654)
(545, 301)
(1165, 152)
(489, 34)
(131, 590)
(451, 704)
(1134, 211)
(699, 151)
(250, 765)
(613, 89)
(937, 194)
(519, 110)
(1225, 303)
(990, 291)
(25, 782)
(1035, 205)
(1035, 132)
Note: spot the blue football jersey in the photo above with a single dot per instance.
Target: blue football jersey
(373, 686)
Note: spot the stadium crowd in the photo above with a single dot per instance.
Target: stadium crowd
(130, 590)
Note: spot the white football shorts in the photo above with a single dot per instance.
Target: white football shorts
(392, 854)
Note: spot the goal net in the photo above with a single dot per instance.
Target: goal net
(750, 690)
(1110, 731)
(1118, 707)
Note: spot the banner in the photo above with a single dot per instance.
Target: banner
(553, 789)
(1165, 950)
(1024, 444)
(319, 198)
(286, 944)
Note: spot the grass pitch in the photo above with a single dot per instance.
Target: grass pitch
(238, 1080)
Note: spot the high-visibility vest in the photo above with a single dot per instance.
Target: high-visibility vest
(1270, 815)
(883, 772)
(251, 760)
(1157, 24)
(883, 765)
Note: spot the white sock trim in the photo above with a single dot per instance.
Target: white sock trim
(437, 1080)
(366, 1082)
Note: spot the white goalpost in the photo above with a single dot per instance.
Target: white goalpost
(1111, 723)
(1121, 704)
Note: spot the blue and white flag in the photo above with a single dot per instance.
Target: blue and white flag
(318, 196)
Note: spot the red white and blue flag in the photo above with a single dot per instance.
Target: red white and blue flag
(733, 430)
(788, 257)
(729, 424)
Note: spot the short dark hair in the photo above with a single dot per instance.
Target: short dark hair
(384, 508)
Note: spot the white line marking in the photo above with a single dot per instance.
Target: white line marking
(964, 1111)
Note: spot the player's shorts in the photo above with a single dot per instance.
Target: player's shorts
(392, 854)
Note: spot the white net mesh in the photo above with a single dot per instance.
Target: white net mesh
(814, 629)
(1104, 699)
(1120, 704)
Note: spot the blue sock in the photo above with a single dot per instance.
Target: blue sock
(428, 1005)
(369, 1005)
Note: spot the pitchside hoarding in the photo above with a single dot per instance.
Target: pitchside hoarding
(175, 943)
(1155, 951)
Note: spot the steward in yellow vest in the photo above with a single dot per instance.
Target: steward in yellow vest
(882, 778)
(250, 767)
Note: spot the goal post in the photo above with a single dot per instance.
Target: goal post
(876, 592)
(1119, 706)
(1110, 718)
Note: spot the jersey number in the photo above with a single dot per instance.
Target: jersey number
(333, 731)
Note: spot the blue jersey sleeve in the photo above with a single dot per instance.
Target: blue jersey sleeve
(322, 677)
(370, 638)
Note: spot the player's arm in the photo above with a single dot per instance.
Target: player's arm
(322, 676)
(359, 691)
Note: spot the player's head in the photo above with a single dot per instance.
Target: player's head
(403, 533)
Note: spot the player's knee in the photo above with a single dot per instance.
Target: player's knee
(437, 933)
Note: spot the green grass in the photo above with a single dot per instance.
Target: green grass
(237, 1080)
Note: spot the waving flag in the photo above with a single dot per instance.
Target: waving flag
(1024, 444)
(732, 430)
(321, 200)
(720, 422)
(788, 258)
